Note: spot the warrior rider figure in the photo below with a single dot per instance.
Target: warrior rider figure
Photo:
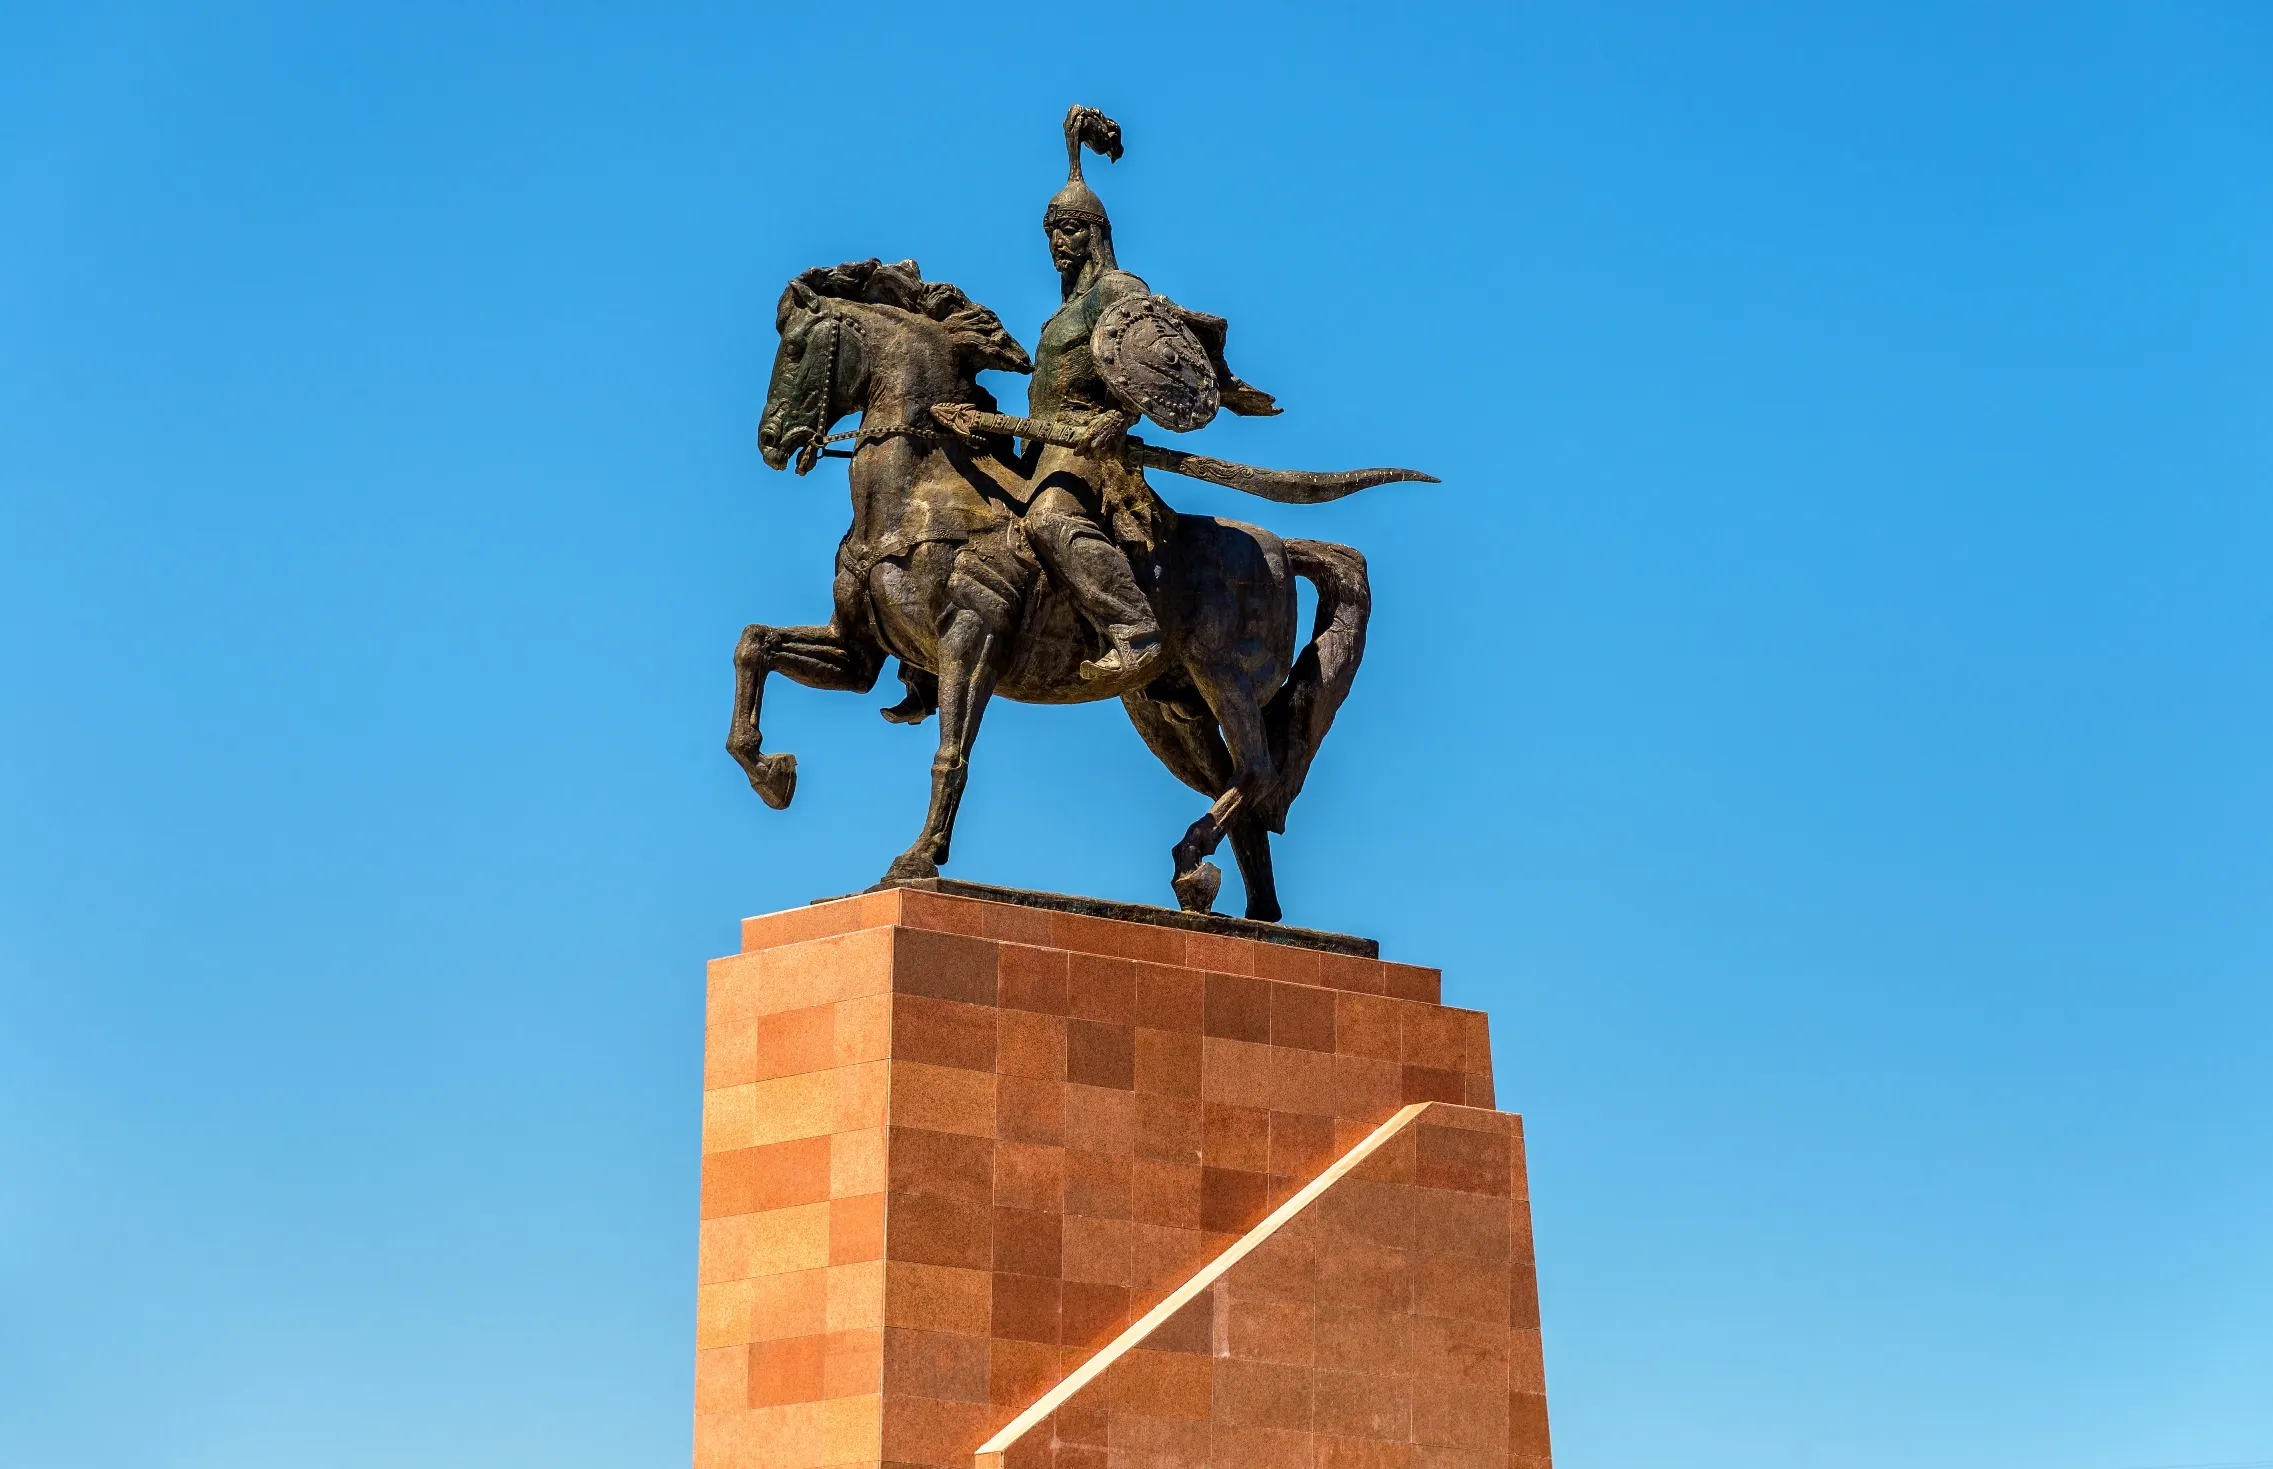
(1091, 508)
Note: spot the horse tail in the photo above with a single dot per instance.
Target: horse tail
(1299, 715)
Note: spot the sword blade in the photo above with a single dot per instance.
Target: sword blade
(1285, 486)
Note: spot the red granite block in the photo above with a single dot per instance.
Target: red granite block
(1031, 1111)
(1143, 941)
(1235, 1072)
(944, 1098)
(1096, 1184)
(1475, 1352)
(856, 1229)
(947, 1366)
(852, 1363)
(1262, 1395)
(1336, 1452)
(932, 1433)
(1029, 1242)
(944, 1032)
(1029, 1176)
(1348, 972)
(1154, 1384)
(1018, 1372)
(943, 966)
(1410, 982)
(1267, 1330)
(1434, 1036)
(949, 1165)
(935, 1298)
(1168, 1062)
(1287, 964)
(1301, 1144)
(1165, 1193)
(1232, 1200)
(1259, 1448)
(1456, 1158)
(1091, 1312)
(1101, 988)
(1237, 1008)
(1302, 1016)
(1100, 1119)
(783, 1306)
(1189, 1329)
(942, 914)
(1030, 1045)
(722, 1379)
(785, 1371)
(730, 1019)
(792, 1042)
(1362, 1405)
(1169, 997)
(1099, 1251)
(1099, 1053)
(1219, 954)
(1350, 1338)
(1169, 1129)
(1427, 1084)
(1466, 1287)
(1032, 979)
(1237, 1137)
(1527, 1424)
(1369, 1025)
(1025, 1308)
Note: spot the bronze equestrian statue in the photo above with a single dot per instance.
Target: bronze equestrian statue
(1054, 575)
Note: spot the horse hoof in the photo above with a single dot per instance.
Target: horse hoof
(774, 778)
(1196, 890)
(909, 866)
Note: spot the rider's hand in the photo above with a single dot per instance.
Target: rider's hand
(959, 419)
(1104, 433)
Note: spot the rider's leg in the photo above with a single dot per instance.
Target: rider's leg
(1095, 573)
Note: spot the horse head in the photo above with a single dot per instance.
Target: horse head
(857, 333)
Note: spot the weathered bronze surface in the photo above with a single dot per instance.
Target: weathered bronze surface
(1029, 557)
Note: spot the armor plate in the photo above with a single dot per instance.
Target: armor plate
(1153, 362)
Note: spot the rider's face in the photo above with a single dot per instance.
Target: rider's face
(1069, 243)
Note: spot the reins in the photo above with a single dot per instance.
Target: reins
(816, 448)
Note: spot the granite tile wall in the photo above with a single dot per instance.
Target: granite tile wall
(951, 1148)
(1389, 1324)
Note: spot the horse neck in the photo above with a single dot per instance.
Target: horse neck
(909, 369)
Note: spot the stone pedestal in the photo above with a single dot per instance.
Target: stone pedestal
(1051, 1190)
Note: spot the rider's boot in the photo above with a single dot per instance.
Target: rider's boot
(1096, 575)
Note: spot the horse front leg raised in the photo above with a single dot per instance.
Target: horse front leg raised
(971, 655)
(817, 657)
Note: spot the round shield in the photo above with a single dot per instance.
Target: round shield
(1150, 358)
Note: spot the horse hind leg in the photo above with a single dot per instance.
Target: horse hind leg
(1181, 730)
(819, 658)
(1251, 845)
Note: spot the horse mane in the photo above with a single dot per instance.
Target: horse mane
(977, 334)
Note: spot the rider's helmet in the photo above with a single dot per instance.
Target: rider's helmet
(1077, 201)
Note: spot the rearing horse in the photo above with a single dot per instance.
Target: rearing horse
(934, 571)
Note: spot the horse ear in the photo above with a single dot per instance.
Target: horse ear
(795, 297)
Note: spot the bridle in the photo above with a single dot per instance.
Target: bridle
(816, 447)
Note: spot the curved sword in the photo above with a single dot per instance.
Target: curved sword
(1286, 486)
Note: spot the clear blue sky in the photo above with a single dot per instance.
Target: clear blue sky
(1825, 714)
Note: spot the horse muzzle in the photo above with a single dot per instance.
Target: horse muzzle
(775, 446)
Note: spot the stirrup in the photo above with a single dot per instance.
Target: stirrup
(1123, 660)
